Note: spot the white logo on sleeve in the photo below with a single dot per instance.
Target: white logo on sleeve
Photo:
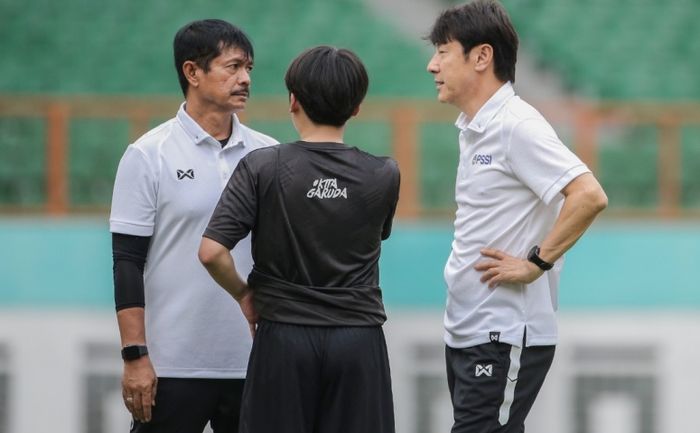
(327, 188)
(483, 370)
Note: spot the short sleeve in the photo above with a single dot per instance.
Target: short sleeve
(540, 160)
(134, 197)
(236, 212)
(395, 186)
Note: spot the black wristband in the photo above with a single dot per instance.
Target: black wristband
(533, 256)
(133, 352)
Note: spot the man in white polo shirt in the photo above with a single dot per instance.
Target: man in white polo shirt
(523, 200)
(185, 342)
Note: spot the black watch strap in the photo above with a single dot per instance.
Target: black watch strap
(534, 257)
(132, 352)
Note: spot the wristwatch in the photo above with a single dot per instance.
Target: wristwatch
(533, 256)
(133, 352)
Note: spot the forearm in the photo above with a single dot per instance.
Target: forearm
(139, 381)
(225, 274)
(218, 261)
(129, 254)
(223, 271)
(584, 200)
(132, 329)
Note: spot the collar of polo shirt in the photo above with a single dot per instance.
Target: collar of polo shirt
(488, 111)
(199, 135)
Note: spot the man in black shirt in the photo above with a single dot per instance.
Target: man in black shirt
(318, 211)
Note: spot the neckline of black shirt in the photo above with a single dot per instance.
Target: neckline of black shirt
(322, 145)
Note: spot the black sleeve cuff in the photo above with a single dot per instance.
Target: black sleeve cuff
(218, 237)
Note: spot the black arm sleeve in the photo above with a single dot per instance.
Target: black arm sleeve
(129, 257)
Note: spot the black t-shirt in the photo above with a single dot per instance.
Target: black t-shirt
(318, 213)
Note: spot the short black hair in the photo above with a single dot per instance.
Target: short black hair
(329, 83)
(480, 22)
(203, 40)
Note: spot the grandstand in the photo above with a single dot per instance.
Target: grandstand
(627, 50)
(124, 48)
(623, 51)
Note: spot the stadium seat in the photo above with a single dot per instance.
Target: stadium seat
(95, 149)
(628, 167)
(439, 157)
(22, 165)
(624, 50)
(629, 37)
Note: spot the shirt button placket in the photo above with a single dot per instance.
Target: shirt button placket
(223, 168)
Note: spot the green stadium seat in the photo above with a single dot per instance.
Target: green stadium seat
(627, 36)
(96, 147)
(621, 50)
(439, 157)
(628, 166)
(93, 52)
(23, 162)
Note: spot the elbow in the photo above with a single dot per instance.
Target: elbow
(207, 256)
(587, 194)
(599, 201)
(594, 200)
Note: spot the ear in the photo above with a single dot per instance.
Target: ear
(484, 57)
(293, 103)
(356, 111)
(190, 68)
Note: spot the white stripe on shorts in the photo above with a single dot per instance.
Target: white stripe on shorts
(511, 381)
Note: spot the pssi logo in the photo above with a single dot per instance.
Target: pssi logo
(482, 159)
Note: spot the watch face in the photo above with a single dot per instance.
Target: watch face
(533, 256)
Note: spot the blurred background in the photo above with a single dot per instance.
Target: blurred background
(80, 79)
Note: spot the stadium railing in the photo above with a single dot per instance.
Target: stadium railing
(584, 119)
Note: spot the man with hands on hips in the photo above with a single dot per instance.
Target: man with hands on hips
(523, 199)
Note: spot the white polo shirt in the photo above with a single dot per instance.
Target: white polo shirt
(512, 168)
(167, 186)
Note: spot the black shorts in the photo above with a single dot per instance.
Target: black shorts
(187, 405)
(494, 385)
(311, 379)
